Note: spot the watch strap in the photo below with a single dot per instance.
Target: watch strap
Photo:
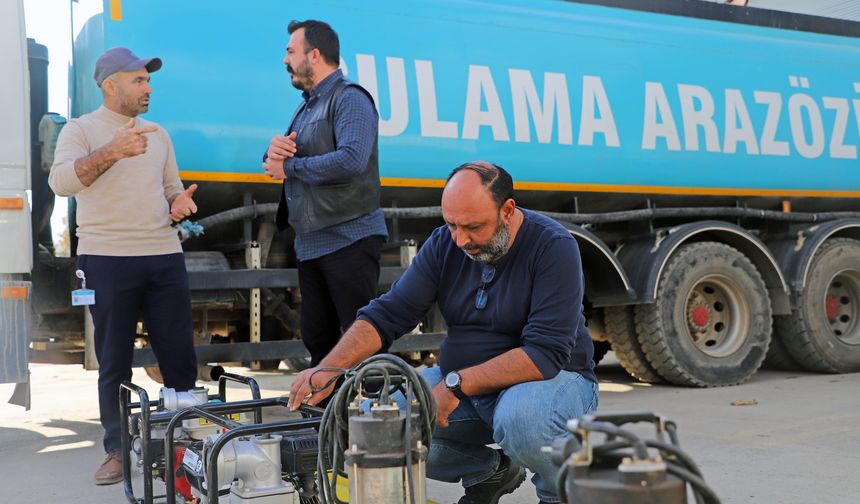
(456, 390)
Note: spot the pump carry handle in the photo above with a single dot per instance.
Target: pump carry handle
(624, 417)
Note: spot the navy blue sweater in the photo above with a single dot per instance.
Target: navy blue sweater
(534, 301)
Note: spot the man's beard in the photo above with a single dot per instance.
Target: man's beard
(132, 107)
(494, 249)
(301, 77)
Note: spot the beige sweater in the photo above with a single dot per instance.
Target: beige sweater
(126, 211)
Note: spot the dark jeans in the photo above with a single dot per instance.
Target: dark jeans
(333, 288)
(127, 287)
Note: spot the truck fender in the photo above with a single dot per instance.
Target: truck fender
(644, 260)
(794, 254)
(606, 283)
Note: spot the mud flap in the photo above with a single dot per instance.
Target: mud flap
(21, 395)
(15, 326)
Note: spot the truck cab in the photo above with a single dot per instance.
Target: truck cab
(16, 245)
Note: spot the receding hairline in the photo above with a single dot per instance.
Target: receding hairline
(304, 40)
(495, 179)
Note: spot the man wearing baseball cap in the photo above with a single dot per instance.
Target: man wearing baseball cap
(122, 171)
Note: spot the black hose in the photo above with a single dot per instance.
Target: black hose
(672, 429)
(413, 212)
(701, 491)
(607, 449)
(334, 425)
(666, 213)
(699, 485)
(677, 453)
(686, 469)
(238, 213)
(640, 451)
(257, 210)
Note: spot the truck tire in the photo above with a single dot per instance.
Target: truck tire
(620, 327)
(777, 356)
(823, 333)
(594, 324)
(711, 323)
(601, 348)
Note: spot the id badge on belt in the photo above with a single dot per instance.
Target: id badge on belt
(83, 296)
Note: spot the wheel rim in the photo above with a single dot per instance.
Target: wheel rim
(842, 306)
(717, 315)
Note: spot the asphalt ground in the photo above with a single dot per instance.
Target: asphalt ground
(794, 439)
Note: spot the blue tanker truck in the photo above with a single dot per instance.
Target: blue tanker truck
(704, 156)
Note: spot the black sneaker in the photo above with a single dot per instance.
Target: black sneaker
(508, 477)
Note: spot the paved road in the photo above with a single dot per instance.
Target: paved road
(799, 444)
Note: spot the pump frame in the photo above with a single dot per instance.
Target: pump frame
(150, 416)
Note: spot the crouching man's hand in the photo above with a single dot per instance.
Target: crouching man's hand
(446, 403)
(307, 382)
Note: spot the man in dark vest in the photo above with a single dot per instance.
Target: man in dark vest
(329, 163)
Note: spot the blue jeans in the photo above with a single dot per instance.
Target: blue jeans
(521, 419)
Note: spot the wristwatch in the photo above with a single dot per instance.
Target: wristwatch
(452, 381)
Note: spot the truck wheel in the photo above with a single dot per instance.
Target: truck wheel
(711, 323)
(601, 348)
(620, 328)
(777, 354)
(594, 324)
(823, 333)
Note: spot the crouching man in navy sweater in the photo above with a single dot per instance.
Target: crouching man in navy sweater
(517, 361)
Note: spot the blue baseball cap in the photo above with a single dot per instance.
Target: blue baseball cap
(120, 59)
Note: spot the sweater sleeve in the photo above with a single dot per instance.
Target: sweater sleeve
(551, 330)
(170, 180)
(399, 310)
(72, 145)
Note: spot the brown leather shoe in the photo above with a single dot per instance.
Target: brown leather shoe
(110, 471)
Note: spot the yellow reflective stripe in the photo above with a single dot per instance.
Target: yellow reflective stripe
(261, 178)
(203, 176)
(116, 10)
(412, 182)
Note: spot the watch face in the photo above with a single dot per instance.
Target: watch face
(452, 379)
